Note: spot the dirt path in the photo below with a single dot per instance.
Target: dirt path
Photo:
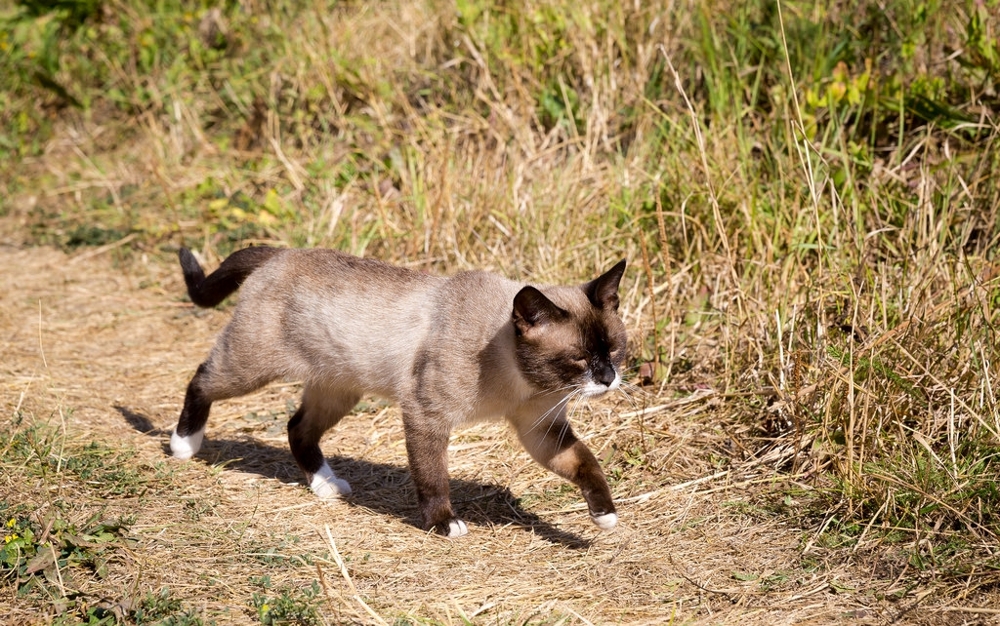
(104, 354)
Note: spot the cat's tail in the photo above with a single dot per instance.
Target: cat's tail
(208, 291)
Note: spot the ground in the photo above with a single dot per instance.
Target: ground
(99, 348)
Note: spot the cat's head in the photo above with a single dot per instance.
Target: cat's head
(571, 339)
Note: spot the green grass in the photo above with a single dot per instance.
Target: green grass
(287, 606)
(79, 513)
(62, 547)
(815, 192)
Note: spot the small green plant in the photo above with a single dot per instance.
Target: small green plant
(95, 466)
(161, 608)
(32, 556)
(18, 547)
(153, 608)
(288, 606)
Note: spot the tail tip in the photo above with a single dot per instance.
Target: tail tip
(188, 259)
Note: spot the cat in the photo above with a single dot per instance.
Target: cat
(449, 351)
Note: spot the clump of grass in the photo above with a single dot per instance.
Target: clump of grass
(94, 466)
(284, 606)
(31, 554)
(62, 546)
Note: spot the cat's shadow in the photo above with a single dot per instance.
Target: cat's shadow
(380, 487)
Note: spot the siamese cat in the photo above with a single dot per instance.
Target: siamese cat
(449, 351)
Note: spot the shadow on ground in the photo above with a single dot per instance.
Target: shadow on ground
(380, 487)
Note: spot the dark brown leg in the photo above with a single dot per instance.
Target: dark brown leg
(187, 437)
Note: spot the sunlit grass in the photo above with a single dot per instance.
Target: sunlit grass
(807, 197)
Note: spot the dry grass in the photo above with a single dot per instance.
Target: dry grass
(808, 203)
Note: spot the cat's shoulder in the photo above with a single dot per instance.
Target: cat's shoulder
(480, 282)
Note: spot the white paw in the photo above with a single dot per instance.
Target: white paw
(325, 484)
(606, 521)
(457, 528)
(186, 447)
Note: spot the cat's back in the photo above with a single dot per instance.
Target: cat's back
(322, 266)
(318, 294)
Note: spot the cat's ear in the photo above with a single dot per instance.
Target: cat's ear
(532, 310)
(603, 290)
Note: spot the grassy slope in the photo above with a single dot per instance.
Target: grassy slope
(807, 198)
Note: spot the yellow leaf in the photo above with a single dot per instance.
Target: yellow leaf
(840, 73)
(836, 92)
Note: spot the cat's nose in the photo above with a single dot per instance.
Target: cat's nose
(605, 374)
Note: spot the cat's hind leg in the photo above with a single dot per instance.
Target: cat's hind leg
(217, 378)
(187, 437)
(322, 408)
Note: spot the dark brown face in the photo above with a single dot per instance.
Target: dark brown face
(579, 354)
(578, 347)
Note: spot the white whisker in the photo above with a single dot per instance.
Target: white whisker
(562, 434)
(629, 391)
(556, 407)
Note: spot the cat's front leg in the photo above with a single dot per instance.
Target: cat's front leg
(427, 451)
(551, 442)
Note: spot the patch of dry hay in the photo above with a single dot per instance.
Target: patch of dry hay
(105, 353)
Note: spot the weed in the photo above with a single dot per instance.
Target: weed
(162, 608)
(297, 606)
(34, 557)
(153, 608)
(97, 467)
